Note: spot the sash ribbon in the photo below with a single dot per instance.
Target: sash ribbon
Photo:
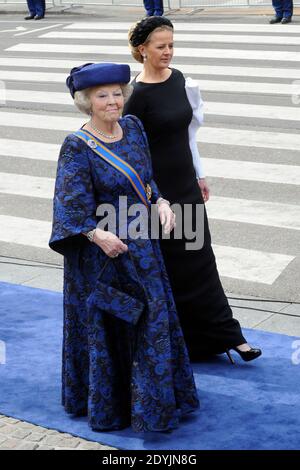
(143, 191)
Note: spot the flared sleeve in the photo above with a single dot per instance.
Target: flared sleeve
(74, 205)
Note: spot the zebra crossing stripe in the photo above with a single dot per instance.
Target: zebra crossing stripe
(27, 149)
(41, 121)
(210, 107)
(238, 263)
(214, 167)
(252, 171)
(192, 69)
(35, 233)
(25, 185)
(32, 96)
(250, 265)
(266, 55)
(21, 76)
(220, 27)
(271, 214)
(205, 85)
(245, 138)
(247, 87)
(210, 135)
(194, 38)
(252, 111)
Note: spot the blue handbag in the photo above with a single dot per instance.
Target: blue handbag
(114, 301)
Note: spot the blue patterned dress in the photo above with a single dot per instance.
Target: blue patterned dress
(124, 358)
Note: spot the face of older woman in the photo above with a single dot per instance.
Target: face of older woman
(159, 49)
(107, 103)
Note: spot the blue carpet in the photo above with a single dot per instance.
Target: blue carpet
(246, 406)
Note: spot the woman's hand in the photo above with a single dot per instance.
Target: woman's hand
(167, 216)
(109, 243)
(204, 189)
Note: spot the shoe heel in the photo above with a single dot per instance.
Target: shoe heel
(229, 356)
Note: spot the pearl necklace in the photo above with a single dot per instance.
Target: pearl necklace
(111, 136)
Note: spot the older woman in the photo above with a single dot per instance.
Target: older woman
(164, 103)
(124, 357)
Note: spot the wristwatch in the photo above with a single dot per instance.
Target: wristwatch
(90, 235)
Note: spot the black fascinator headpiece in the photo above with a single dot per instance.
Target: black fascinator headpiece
(143, 28)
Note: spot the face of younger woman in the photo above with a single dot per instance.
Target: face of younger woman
(107, 102)
(159, 49)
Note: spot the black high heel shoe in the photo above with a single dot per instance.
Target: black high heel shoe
(247, 356)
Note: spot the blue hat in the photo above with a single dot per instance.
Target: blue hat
(89, 75)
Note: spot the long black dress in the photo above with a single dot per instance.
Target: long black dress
(204, 312)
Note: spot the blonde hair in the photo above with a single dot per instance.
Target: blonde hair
(83, 102)
(135, 49)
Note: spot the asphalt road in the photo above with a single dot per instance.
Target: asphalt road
(250, 140)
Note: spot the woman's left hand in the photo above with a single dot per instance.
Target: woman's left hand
(167, 217)
(204, 189)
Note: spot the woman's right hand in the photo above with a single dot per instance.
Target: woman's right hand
(109, 243)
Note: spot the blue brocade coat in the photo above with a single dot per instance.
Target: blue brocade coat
(124, 357)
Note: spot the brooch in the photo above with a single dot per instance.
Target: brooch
(148, 190)
(91, 143)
